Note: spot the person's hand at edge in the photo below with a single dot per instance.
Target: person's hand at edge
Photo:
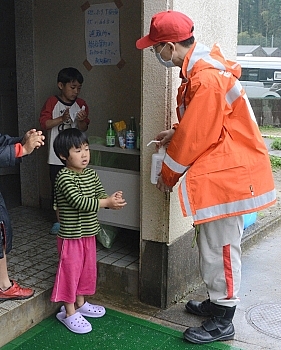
(32, 139)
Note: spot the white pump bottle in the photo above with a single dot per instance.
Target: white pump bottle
(156, 162)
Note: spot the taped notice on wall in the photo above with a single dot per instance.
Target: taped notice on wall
(102, 34)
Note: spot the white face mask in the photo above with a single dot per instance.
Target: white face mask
(167, 64)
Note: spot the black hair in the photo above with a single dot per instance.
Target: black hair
(67, 139)
(185, 43)
(67, 75)
(188, 42)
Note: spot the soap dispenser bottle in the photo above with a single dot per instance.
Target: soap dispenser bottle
(156, 162)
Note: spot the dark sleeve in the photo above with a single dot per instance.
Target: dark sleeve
(9, 140)
(7, 151)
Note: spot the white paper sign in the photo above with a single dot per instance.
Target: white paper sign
(102, 34)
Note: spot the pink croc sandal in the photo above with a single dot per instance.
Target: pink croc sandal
(75, 323)
(89, 310)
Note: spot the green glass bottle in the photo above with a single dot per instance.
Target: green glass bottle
(110, 135)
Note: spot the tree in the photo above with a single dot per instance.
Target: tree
(259, 22)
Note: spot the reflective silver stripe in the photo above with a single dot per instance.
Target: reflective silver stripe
(252, 114)
(226, 208)
(183, 190)
(233, 93)
(174, 166)
(235, 207)
(203, 52)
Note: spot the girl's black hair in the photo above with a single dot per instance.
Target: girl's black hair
(67, 139)
(67, 75)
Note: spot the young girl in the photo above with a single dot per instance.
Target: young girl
(78, 196)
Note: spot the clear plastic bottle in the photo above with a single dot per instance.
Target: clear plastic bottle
(156, 162)
(131, 134)
(110, 134)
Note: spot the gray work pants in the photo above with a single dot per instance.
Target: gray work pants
(219, 244)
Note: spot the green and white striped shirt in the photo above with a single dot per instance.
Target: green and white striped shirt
(77, 198)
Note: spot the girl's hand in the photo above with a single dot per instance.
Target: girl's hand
(115, 201)
(118, 194)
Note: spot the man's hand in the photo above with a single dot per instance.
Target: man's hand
(162, 186)
(165, 137)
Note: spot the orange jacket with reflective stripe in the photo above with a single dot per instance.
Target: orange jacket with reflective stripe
(217, 145)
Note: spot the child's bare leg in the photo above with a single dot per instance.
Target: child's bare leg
(70, 309)
(80, 301)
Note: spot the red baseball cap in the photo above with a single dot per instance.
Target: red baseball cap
(167, 26)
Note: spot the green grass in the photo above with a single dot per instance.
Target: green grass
(275, 162)
(276, 143)
(114, 331)
(269, 128)
(270, 131)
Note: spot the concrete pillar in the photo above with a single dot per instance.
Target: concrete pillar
(27, 117)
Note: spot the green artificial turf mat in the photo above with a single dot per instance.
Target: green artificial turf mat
(114, 331)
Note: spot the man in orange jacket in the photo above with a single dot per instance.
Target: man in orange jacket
(219, 151)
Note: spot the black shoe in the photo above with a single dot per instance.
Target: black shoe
(199, 309)
(214, 329)
(219, 327)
